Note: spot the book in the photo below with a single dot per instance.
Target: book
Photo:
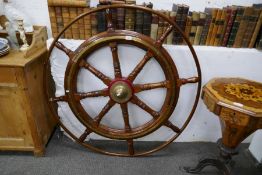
(87, 24)
(59, 19)
(212, 24)
(181, 13)
(248, 11)
(256, 32)
(201, 22)
(81, 25)
(161, 24)
(139, 21)
(188, 27)
(130, 16)
(250, 27)
(195, 19)
(221, 27)
(52, 16)
(232, 14)
(75, 27)
(208, 20)
(259, 40)
(232, 36)
(101, 20)
(120, 18)
(154, 26)
(215, 28)
(147, 20)
(169, 39)
(93, 24)
(66, 20)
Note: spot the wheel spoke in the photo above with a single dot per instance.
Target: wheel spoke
(143, 87)
(62, 47)
(140, 66)
(125, 114)
(135, 100)
(116, 63)
(99, 93)
(84, 135)
(105, 109)
(172, 126)
(191, 80)
(110, 26)
(162, 38)
(130, 144)
(106, 80)
(57, 99)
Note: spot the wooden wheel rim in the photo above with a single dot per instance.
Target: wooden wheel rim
(160, 55)
(49, 93)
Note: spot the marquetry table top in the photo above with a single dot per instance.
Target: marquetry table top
(237, 93)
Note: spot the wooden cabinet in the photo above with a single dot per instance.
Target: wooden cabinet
(25, 123)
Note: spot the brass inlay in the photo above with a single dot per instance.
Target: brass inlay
(120, 92)
(244, 91)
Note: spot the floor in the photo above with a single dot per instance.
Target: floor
(64, 157)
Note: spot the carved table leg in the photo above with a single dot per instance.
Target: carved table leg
(223, 163)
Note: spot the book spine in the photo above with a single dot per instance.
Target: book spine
(172, 16)
(59, 19)
(212, 24)
(250, 29)
(139, 21)
(81, 23)
(147, 20)
(195, 19)
(232, 36)
(201, 22)
(259, 40)
(93, 24)
(221, 26)
(243, 26)
(52, 16)
(154, 27)
(101, 20)
(87, 24)
(215, 28)
(75, 27)
(188, 27)
(179, 17)
(183, 23)
(66, 20)
(229, 26)
(256, 31)
(205, 29)
(228, 12)
(161, 24)
(130, 17)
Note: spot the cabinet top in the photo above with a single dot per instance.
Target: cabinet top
(16, 58)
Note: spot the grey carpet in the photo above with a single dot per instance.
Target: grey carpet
(64, 157)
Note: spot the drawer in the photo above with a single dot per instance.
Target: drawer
(7, 76)
(234, 117)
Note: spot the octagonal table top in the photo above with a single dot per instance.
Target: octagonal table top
(237, 93)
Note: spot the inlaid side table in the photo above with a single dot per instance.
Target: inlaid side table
(238, 104)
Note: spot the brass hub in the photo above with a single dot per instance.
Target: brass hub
(121, 92)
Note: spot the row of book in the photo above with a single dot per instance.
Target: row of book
(231, 26)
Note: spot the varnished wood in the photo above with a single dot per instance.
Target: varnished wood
(25, 121)
(231, 99)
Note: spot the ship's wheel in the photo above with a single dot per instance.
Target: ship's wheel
(121, 90)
